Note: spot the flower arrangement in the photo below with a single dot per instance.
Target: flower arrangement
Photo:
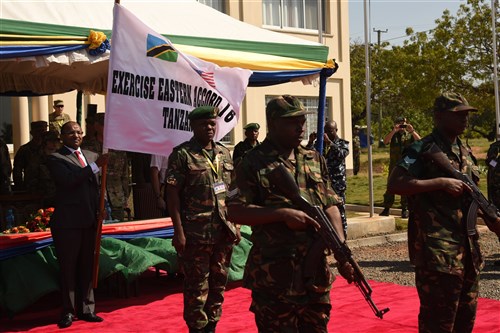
(39, 221)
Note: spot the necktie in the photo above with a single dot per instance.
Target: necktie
(82, 162)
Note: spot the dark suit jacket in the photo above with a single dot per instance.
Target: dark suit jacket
(77, 190)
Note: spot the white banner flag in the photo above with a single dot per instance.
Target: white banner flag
(152, 87)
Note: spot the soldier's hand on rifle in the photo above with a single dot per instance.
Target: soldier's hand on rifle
(495, 227)
(453, 186)
(346, 271)
(297, 219)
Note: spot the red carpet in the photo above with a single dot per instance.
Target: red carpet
(159, 309)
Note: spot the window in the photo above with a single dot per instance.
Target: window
(220, 5)
(227, 139)
(301, 14)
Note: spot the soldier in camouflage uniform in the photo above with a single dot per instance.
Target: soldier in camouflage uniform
(283, 300)
(447, 261)
(117, 175)
(28, 157)
(356, 150)
(251, 136)
(493, 163)
(58, 117)
(198, 175)
(402, 135)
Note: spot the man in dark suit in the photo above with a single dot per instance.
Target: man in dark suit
(74, 222)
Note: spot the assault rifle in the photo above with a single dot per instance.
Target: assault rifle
(490, 211)
(285, 183)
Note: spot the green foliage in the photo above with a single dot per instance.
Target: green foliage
(456, 55)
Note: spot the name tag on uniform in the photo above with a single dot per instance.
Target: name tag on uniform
(493, 163)
(219, 187)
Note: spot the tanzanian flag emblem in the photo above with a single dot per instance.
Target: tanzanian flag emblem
(161, 49)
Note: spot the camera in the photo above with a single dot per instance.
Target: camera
(402, 126)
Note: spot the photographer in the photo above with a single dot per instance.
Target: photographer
(402, 135)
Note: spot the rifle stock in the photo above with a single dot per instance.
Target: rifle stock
(490, 211)
(284, 181)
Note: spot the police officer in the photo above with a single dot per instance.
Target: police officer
(282, 300)
(198, 175)
(251, 136)
(402, 135)
(447, 261)
(335, 151)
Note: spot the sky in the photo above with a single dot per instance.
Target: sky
(396, 16)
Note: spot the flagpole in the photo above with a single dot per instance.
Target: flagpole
(100, 218)
(368, 107)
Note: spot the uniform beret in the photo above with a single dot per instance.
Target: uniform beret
(251, 126)
(454, 102)
(204, 112)
(285, 106)
(38, 124)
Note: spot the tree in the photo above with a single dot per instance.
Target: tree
(456, 55)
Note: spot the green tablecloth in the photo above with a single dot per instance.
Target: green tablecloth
(26, 278)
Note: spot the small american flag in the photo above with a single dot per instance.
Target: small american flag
(208, 77)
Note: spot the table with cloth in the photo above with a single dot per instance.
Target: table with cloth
(29, 268)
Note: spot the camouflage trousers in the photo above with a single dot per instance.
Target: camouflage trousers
(276, 314)
(205, 268)
(448, 303)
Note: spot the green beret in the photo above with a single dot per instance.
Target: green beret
(204, 112)
(454, 102)
(285, 106)
(251, 126)
(58, 102)
(38, 124)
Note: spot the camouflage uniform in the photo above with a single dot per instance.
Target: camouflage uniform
(493, 163)
(240, 149)
(282, 300)
(356, 154)
(447, 261)
(205, 260)
(398, 143)
(26, 164)
(335, 155)
(117, 178)
(56, 122)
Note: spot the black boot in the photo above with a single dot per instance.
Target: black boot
(196, 330)
(210, 328)
(385, 212)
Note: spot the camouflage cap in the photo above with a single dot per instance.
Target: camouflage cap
(204, 112)
(251, 126)
(285, 106)
(58, 102)
(454, 102)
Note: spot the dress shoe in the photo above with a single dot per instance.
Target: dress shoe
(90, 317)
(385, 212)
(65, 321)
(210, 328)
(404, 213)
